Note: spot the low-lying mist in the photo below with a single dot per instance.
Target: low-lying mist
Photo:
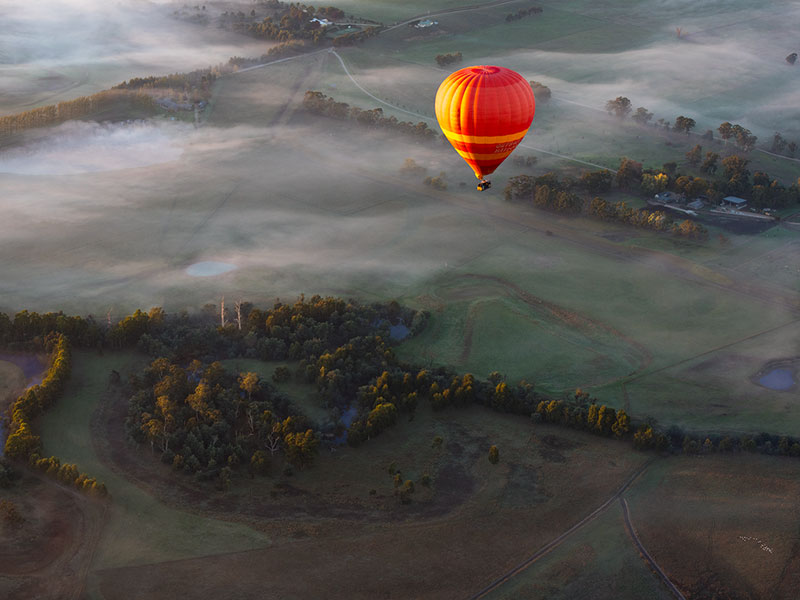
(61, 49)
(85, 147)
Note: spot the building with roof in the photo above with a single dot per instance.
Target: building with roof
(734, 202)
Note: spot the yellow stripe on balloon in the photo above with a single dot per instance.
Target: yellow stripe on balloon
(483, 139)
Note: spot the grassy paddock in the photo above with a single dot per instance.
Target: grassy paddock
(140, 529)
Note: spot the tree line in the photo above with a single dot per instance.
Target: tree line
(320, 104)
(85, 106)
(23, 443)
(522, 13)
(742, 137)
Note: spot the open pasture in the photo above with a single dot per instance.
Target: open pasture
(722, 523)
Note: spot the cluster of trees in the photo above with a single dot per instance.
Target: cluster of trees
(288, 22)
(541, 92)
(655, 220)
(351, 39)
(410, 167)
(207, 421)
(399, 389)
(68, 474)
(781, 145)
(550, 193)
(85, 106)
(195, 85)
(742, 137)
(582, 412)
(437, 182)
(319, 103)
(22, 442)
(448, 59)
(522, 13)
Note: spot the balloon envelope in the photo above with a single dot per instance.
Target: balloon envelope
(485, 111)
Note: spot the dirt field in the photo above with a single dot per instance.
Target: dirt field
(732, 523)
(49, 555)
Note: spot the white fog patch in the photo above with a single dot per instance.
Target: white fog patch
(209, 268)
(79, 147)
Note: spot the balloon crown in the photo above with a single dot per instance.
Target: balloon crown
(484, 69)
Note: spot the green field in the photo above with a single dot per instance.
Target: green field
(141, 529)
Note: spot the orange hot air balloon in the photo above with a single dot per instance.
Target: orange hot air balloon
(485, 111)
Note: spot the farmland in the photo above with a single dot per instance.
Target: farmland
(102, 219)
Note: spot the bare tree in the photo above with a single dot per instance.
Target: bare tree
(238, 306)
(274, 442)
(222, 311)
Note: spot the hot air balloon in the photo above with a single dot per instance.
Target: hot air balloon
(485, 111)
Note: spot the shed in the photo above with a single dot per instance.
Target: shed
(696, 205)
(734, 201)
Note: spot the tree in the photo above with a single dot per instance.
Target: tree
(494, 455)
(249, 382)
(642, 116)
(684, 124)
(735, 166)
(621, 425)
(629, 173)
(620, 107)
(541, 92)
(259, 462)
(597, 182)
(281, 374)
(710, 163)
(301, 448)
(725, 131)
(653, 184)
(792, 58)
(693, 155)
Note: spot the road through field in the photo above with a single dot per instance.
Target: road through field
(645, 554)
(553, 544)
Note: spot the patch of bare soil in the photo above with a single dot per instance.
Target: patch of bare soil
(49, 555)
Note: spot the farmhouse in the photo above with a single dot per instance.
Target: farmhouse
(426, 23)
(322, 22)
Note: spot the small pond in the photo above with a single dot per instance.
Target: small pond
(209, 268)
(399, 331)
(778, 379)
